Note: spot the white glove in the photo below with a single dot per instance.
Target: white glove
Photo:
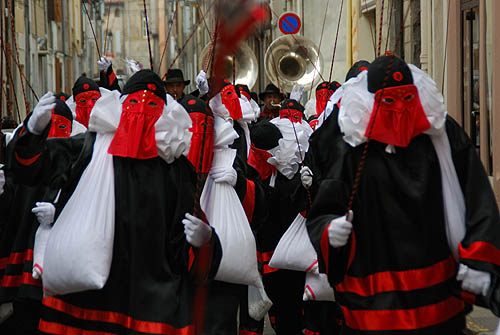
(202, 82)
(42, 114)
(44, 212)
(296, 93)
(474, 281)
(306, 176)
(224, 175)
(197, 232)
(103, 64)
(339, 230)
(2, 181)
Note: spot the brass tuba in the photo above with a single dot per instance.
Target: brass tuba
(293, 59)
(246, 66)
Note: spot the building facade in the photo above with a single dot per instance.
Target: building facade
(46, 45)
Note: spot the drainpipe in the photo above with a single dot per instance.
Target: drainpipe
(27, 50)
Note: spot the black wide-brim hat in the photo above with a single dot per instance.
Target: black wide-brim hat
(270, 89)
(175, 76)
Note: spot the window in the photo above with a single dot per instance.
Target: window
(475, 84)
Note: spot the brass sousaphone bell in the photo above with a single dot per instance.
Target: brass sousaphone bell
(246, 66)
(293, 59)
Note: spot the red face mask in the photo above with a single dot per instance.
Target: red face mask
(322, 97)
(257, 158)
(397, 116)
(231, 101)
(85, 101)
(60, 127)
(203, 128)
(292, 114)
(135, 136)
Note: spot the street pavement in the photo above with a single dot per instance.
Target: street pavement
(482, 322)
(479, 322)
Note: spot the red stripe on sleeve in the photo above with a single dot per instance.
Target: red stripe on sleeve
(480, 251)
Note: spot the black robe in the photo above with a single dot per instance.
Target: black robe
(396, 275)
(224, 298)
(151, 285)
(20, 225)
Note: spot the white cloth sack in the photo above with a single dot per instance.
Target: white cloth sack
(41, 238)
(258, 302)
(6, 311)
(80, 246)
(225, 213)
(295, 250)
(453, 197)
(317, 288)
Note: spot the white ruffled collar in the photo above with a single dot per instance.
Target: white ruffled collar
(357, 104)
(286, 157)
(172, 134)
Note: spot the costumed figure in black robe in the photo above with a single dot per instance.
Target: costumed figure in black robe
(315, 106)
(224, 296)
(21, 205)
(275, 154)
(133, 152)
(107, 76)
(423, 236)
(318, 158)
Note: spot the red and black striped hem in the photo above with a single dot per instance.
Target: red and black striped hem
(60, 317)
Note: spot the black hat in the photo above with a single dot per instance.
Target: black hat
(265, 135)
(388, 71)
(240, 88)
(62, 96)
(323, 85)
(334, 85)
(63, 109)
(356, 68)
(254, 96)
(270, 89)
(145, 80)
(292, 104)
(175, 76)
(193, 104)
(84, 84)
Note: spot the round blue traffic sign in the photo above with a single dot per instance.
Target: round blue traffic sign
(289, 23)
